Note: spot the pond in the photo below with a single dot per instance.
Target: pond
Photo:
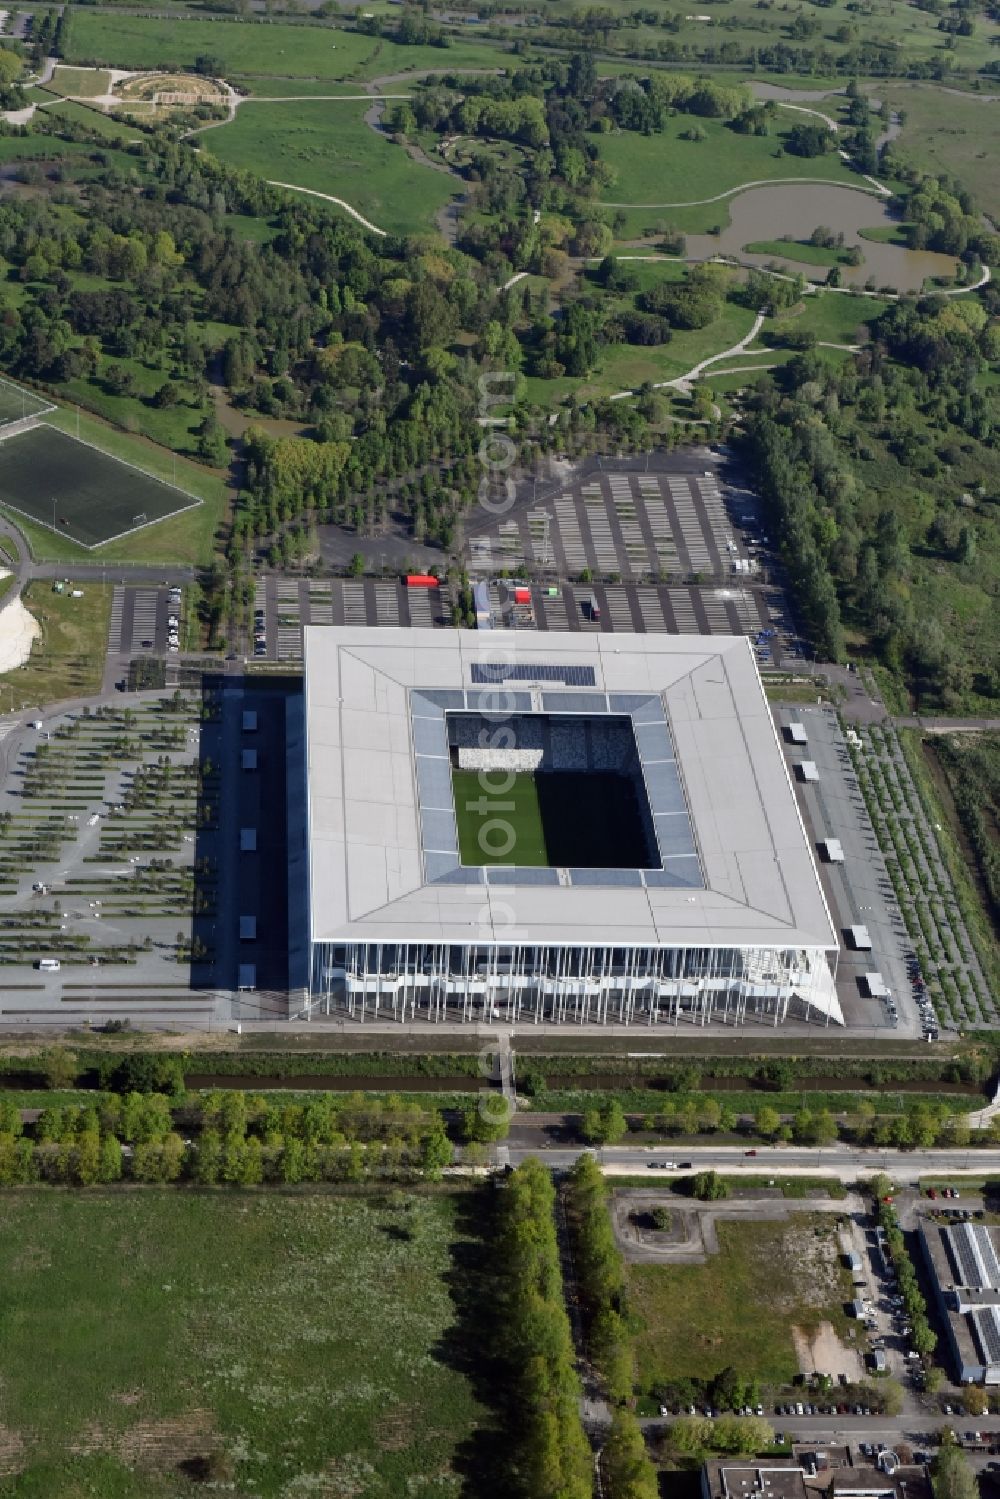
(796, 209)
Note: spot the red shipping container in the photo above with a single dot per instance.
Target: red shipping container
(421, 580)
(522, 595)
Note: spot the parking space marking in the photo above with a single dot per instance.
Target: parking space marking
(664, 543)
(651, 611)
(569, 534)
(582, 594)
(421, 614)
(288, 633)
(386, 604)
(320, 604)
(689, 524)
(552, 613)
(355, 610)
(115, 622)
(619, 609)
(595, 505)
(682, 608)
(540, 546)
(144, 615)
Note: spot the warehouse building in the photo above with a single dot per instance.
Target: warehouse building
(587, 828)
(964, 1264)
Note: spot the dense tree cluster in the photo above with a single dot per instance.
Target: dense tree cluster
(870, 467)
(548, 1453)
(973, 770)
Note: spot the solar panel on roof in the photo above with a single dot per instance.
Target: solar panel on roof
(527, 671)
(988, 1253)
(963, 1251)
(986, 1323)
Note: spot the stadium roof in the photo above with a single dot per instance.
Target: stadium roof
(371, 875)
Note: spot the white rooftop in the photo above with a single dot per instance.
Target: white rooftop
(372, 879)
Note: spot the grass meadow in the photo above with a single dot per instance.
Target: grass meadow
(328, 147)
(80, 83)
(739, 1308)
(911, 30)
(950, 133)
(67, 660)
(267, 49)
(664, 169)
(280, 1344)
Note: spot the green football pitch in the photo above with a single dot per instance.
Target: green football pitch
(78, 491)
(564, 818)
(15, 403)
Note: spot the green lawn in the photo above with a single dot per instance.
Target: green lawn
(798, 249)
(68, 658)
(93, 118)
(949, 133)
(328, 147)
(661, 170)
(80, 83)
(624, 366)
(740, 1307)
(270, 49)
(887, 234)
(744, 25)
(280, 1344)
(834, 317)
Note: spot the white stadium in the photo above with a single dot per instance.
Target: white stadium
(673, 882)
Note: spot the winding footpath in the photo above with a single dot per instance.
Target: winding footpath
(683, 383)
(312, 192)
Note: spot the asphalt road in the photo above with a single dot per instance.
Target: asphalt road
(844, 1162)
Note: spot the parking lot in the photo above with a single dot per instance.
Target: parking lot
(679, 518)
(858, 891)
(283, 606)
(144, 620)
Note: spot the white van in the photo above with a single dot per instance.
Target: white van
(49, 965)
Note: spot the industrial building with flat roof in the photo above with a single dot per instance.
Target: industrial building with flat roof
(964, 1262)
(826, 1473)
(633, 853)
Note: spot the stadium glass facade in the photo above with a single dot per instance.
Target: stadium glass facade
(583, 984)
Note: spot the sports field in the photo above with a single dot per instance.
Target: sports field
(79, 492)
(16, 402)
(566, 819)
(162, 1342)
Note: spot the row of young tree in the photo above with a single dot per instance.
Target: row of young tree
(237, 1140)
(607, 1327)
(549, 1456)
(922, 1335)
